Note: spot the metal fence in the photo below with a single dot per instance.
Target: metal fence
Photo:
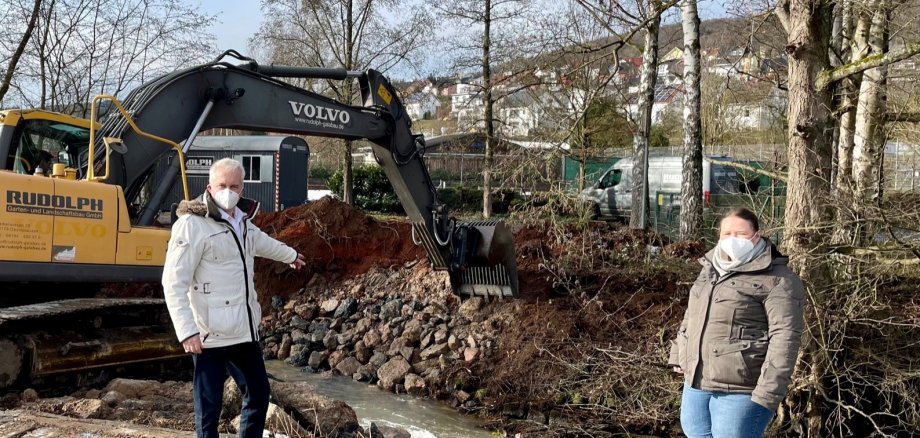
(527, 170)
(902, 167)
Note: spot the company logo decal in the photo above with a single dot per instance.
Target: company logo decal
(57, 205)
(318, 115)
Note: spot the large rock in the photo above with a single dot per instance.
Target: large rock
(317, 358)
(85, 408)
(300, 323)
(440, 335)
(470, 308)
(365, 373)
(305, 311)
(298, 336)
(346, 308)
(378, 359)
(284, 349)
(330, 341)
(371, 338)
(412, 330)
(390, 310)
(30, 395)
(434, 351)
(322, 415)
(393, 372)
(470, 354)
(337, 357)
(363, 325)
(348, 366)
(362, 353)
(131, 388)
(299, 355)
(387, 432)
(414, 384)
(329, 305)
(386, 334)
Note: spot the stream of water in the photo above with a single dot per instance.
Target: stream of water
(422, 418)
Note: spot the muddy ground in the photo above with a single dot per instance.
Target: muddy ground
(583, 349)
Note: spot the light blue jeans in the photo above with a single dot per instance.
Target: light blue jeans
(721, 415)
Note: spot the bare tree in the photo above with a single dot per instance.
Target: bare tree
(87, 47)
(489, 24)
(20, 48)
(351, 34)
(691, 193)
(648, 75)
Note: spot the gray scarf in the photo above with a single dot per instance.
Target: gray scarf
(723, 265)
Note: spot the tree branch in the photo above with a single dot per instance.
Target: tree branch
(831, 76)
(11, 68)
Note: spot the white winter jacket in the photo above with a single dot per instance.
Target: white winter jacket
(208, 274)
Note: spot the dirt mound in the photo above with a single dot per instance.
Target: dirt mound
(337, 240)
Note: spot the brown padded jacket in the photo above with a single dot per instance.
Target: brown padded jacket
(741, 332)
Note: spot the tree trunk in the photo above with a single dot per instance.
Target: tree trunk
(691, 198)
(20, 49)
(638, 218)
(348, 180)
(849, 87)
(807, 208)
(869, 138)
(487, 100)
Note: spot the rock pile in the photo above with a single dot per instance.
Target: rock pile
(399, 329)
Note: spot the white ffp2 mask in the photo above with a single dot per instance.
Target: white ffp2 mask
(226, 199)
(736, 247)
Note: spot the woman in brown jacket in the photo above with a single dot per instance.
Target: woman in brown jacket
(739, 338)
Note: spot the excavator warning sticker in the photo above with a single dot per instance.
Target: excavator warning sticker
(63, 253)
(384, 94)
(56, 205)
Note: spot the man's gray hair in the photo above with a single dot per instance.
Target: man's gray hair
(226, 164)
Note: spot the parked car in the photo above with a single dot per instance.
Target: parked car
(611, 195)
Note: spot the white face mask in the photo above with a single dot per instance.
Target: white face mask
(736, 247)
(226, 198)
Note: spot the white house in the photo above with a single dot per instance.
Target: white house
(422, 105)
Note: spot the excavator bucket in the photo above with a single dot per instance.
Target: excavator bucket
(484, 262)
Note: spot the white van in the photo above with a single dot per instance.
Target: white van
(611, 195)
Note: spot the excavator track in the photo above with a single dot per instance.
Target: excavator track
(58, 342)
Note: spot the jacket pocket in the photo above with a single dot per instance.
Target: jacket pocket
(221, 247)
(227, 317)
(682, 342)
(728, 367)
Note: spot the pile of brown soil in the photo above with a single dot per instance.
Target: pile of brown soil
(338, 242)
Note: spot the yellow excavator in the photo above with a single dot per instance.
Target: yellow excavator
(80, 206)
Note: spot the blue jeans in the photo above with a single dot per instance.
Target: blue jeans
(721, 415)
(245, 365)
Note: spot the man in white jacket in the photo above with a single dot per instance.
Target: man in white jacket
(209, 289)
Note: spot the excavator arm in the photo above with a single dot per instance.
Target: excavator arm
(479, 256)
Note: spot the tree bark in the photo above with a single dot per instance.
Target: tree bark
(638, 218)
(487, 101)
(869, 138)
(348, 179)
(807, 207)
(843, 180)
(20, 49)
(691, 199)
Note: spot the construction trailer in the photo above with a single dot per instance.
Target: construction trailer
(276, 168)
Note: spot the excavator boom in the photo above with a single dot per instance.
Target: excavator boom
(479, 256)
